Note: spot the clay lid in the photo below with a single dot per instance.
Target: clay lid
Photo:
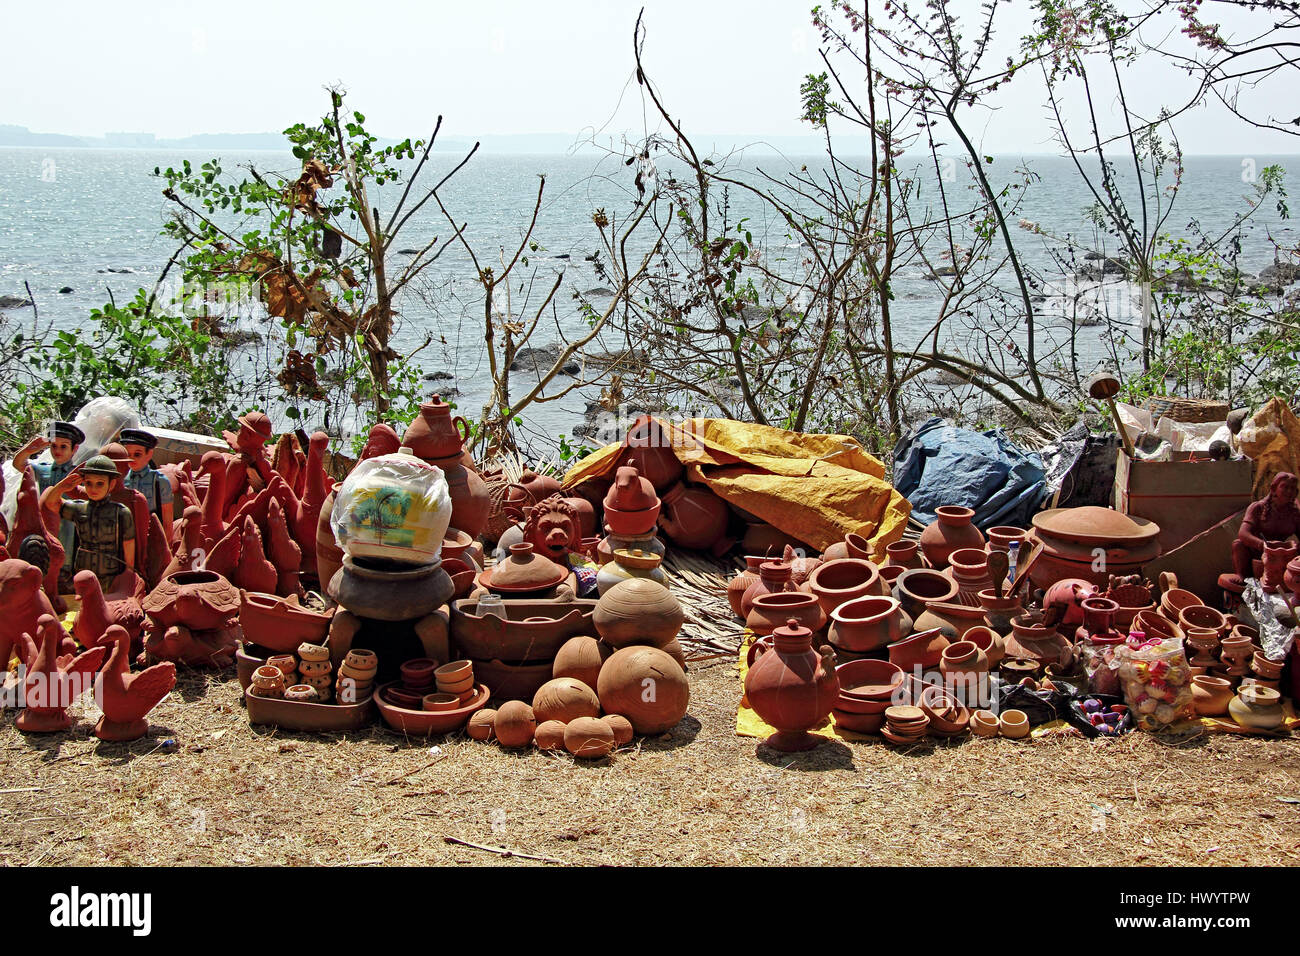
(1091, 523)
(524, 571)
(636, 558)
(631, 492)
(792, 630)
(1259, 694)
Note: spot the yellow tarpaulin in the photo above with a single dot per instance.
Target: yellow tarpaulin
(816, 488)
(1272, 438)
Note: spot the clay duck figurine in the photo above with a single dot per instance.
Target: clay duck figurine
(53, 683)
(125, 697)
(99, 611)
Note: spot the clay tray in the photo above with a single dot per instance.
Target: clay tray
(488, 637)
(422, 723)
(305, 715)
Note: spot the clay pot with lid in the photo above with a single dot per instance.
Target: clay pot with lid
(638, 611)
(793, 688)
(768, 611)
(837, 582)
(1030, 639)
(631, 505)
(773, 578)
(738, 585)
(1257, 707)
(524, 572)
(969, 567)
(952, 529)
(917, 587)
(868, 623)
(1071, 538)
(434, 433)
(693, 517)
(628, 564)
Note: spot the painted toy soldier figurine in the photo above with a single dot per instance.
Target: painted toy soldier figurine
(105, 529)
(67, 439)
(145, 478)
(1275, 518)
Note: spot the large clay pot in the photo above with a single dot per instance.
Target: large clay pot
(952, 529)
(738, 585)
(792, 688)
(917, 587)
(773, 578)
(389, 591)
(1074, 539)
(1211, 695)
(693, 516)
(532, 631)
(923, 649)
(649, 448)
(638, 611)
(847, 579)
(329, 556)
(470, 500)
(625, 678)
(969, 567)
(1257, 707)
(868, 623)
(769, 611)
(1032, 640)
(435, 434)
(953, 620)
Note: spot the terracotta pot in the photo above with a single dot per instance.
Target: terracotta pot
(871, 681)
(622, 688)
(859, 547)
(774, 577)
(524, 572)
(762, 538)
(303, 692)
(918, 587)
(274, 623)
(1098, 625)
(198, 600)
(329, 556)
(969, 567)
(922, 649)
(1071, 538)
(631, 507)
(738, 585)
(770, 611)
(998, 611)
(1069, 594)
(889, 575)
(531, 632)
(419, 672)
(1211, 695)
(693, 516)
(1001, 536)
(793, 688)
(434, 433)
(984, 723)
(638, 611)
(1257, 707)
(1264, 668)
(858, 723)
(1154, 625)
(952, 529)
(1173, 601)
(387, 591)
(1276, 556)
(649, 448)
(1013, 724)
(286, 663)
(511, 681)
(954, 620)
(628, 565)
(963, 658)
(868, 623)
(1031, 640)
(648, 543)
(1202, 616)
(989, 641)
(441, 701)
(837, 582)
(904, 554)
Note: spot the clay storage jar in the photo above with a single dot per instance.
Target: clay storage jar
(837, 582)
(792, 688)
(969, 567)
(638, 611)
(952, 529)
(738, 585)
(773, 578)
(1071, 537)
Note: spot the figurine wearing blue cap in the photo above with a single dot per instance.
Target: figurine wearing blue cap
(147, 479)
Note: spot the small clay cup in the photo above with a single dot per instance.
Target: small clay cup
(440, 702)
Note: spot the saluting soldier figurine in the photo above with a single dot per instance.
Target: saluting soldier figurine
(67, 439)
(105, 529)
(145, 478)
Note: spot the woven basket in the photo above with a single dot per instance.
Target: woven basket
(1195, 410)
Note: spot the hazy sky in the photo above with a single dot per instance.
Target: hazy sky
(726, 67)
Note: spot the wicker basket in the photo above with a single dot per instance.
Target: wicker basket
(1195, 410)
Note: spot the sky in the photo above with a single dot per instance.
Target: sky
(725, 68)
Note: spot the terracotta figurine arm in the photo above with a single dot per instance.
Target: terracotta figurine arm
(1247, 534)
(52, 499)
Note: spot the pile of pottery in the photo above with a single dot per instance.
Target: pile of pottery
(867, 688)
(904, 724)
(431, 699)
(356, 676)
(316, 670)
(303, 691)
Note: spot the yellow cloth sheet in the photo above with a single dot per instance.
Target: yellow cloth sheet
(816, 488)
(1272, 438)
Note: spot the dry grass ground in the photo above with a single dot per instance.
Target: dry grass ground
(227, 793)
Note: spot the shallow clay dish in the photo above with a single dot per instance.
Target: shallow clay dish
(1091, 524)
(421, 723)
(869, 679)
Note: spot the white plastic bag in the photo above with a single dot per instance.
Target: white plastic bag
(395, 507)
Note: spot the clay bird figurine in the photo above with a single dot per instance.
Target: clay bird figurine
(124, 697)
(99, 611)
(53, 683)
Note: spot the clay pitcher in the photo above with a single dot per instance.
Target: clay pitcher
(435, 434)
(793, 688)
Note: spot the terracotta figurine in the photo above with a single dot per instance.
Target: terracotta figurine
(63, 446)
(1275, 518)
(145, 478)
(105, 529)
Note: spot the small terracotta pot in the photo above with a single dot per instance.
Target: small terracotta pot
(1211, 695)
(303, 692)
(313, 652)
(1001, 536)
(917, 587)
(770, 611)
(988, 641)
(904, 554)
(837, 582)
(437, 702)
(998, 611)
(984, 723)
(741, 583)
(1013, 724)
(951, 529)
(314, 668)
(362, 660)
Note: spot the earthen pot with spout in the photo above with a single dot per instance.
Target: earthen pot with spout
(793, 688)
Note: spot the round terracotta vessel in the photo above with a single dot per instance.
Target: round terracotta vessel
(434, 433)
(1001, 536)
(1031, 640)
(1211, 695)
(773, 578)
(837, 582)
(954, 620)
(904, 554)
(792, 688)
(738, 585)
(952, 529)
(918, 587)
(769, 610)
(922, 649)
(969, 567)
(329, 556)
(693, 516)
(1071, 538)
(651, 450)
(471, 502)
(638, 611)
(523, 572)
(868, 623)
(1257, 707)
(1202, 616)
(387, 591)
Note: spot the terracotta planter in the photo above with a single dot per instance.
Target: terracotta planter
(984, 723)
(988, 641)
(918, 587)
(1031, 640)
(904, 554)
(274, 623)
(770, 611)
(969, 567)
(774, 577)
(868, 623)
(386, 591)
(693, 516)
(792, 688)
(922, 649)
(1211, 695)
(837, 582)
(952, 529)
(738, 585)
(531, 632)
(998, 611)
(1013, 724)
(954, 620)
(638, 611)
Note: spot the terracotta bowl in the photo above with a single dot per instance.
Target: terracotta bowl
(1013, 724)
(455, 671)
(770, 611)
(871, 680)
(441, 702)
(858, 723)
(852, 705)
(958, 723)
(422, 723)
(984, 723)
(1202, 616)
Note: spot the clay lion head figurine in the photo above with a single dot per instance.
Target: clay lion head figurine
(551, 526)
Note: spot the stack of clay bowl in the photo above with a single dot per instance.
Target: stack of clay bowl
(268, 681)
(417, 705)
(904, 724)
(315, 667)
(419, 678)
(948, 716)
(867, 689)
(1071, 537)
(457, 680)
(1268, 673)
(356, 676)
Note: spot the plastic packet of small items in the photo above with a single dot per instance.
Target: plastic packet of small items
(1157, 682)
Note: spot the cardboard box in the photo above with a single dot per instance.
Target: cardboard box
(1184, 497)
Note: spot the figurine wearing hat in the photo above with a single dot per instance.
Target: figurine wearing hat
(145, 478)
(105, 529)
(249, 470)
(67, 438)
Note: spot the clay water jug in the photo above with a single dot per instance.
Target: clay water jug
(951, 529)
(793, 688)
(435, 434)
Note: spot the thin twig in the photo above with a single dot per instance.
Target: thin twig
(502, 851)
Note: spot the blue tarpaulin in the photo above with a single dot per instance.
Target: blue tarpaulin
(938, 464)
